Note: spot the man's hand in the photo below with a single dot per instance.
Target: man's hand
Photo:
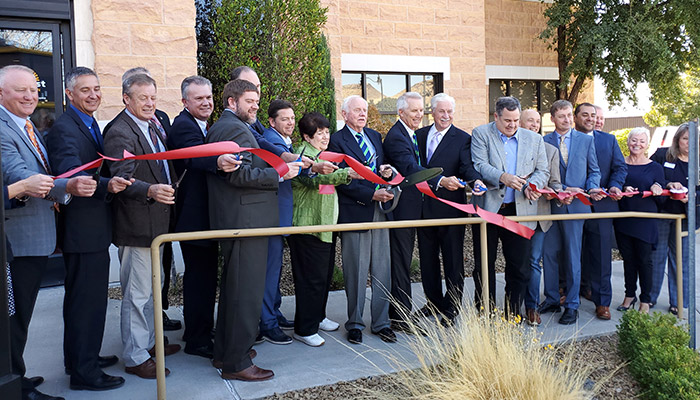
(451, 183)
(512, 181)
(478, 184)
(531, 194)
(81, 186)
(574, 190)
(615, 193)
(323, 167)
(385, 171)
(382, 195)
(549, 196)
(227, 163)
(162, 193)
(354, 175)
(289, 157)
(675, 186)
(37, 185)
(596, 194)
(293, 169)
(117, 184)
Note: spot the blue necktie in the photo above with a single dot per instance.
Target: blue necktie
(95, 131)
(366, 151)
(415, 146)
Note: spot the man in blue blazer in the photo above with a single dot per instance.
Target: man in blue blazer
(596, 261)
(31, 229)
(281, 118)
(364, 252)
(201, 257)
(579, 174)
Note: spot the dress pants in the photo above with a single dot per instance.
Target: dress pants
(448, 240)
(84, 311)
(401, 241)
(137, 326)
(26, 278)
(659, 256)
(272, 299)
(563, 247)
(636, 255)
(672, 267)
(516, 251)
(240, 299)
(167, 272)
(532, 294)
(312, 275)
(365, 253)
(199, 291)
(596, 260)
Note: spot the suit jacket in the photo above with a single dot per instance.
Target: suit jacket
(284, 194)
(161, 115)
(86, 222)
(454, 156)
(613, 169)
(246, 197)
(544, 206)
(399, 152)
(31, 229)
(488, 154)
(581, 171)
(355, 198)
(192, 197)
(137, 220)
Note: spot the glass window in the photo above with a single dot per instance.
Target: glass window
(548, 93)
(532, 94)
(526, 92)
(384, 89)
(425, 86)
(352, 84)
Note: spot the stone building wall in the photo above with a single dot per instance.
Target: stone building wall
(156, 34)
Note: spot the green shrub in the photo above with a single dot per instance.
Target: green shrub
(659, 356)
(621, 136)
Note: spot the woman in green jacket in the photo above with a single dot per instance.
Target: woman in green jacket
(312, 254)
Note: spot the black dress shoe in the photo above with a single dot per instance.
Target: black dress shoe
(285, 323)
(387, 335)
(36, 380)
(206, 350)
(104, 382)
(37, 395)
(569, 316)
(355, 336)
(545, 308)
(103, 362)
(276, 336)
(171, 324)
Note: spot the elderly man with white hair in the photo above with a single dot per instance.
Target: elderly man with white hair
(364, 252)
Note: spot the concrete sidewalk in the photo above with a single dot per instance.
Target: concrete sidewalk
(296, 366)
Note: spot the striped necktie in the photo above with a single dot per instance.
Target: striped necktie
(32, 138)
(415, 146)
(161, 130)
(152, 131)
(366, 151)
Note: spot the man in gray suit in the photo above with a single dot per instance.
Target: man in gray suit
(508, 159)
(244, 198)
(141, 212)
(530, 119)
(31, 230)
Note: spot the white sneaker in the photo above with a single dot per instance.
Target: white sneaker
(328, 325)
(314, 340)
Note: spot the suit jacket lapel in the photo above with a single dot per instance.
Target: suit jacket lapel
(444, 142)
(25, 139)
(422, 139)
(352, 145)
(407, 135)
(145, 147)
(500, 150)
(83, 129)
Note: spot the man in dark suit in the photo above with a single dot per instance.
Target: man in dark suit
(30, 229)
(245, 198)
(579, 174)
(201, 257)
(74, 140)
(141, 212)
(363, 252)
(596, 258)
(444, 145)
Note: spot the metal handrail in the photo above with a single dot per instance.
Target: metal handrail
(256, 232)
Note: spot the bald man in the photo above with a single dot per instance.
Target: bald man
(530, 119)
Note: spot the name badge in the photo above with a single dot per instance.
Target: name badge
(669, 165)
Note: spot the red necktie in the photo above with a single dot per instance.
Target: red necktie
(32, 137)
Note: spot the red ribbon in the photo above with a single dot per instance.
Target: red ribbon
(360, 168)
(202, 150)
(562, 195)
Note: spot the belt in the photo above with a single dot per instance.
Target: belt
(505, 205)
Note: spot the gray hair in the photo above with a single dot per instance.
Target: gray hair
(134, 71)
(75, 73)
(346, 103)
(639, 131)
(402, 102)
(14, 67)
(138, 80)
(509, 103)
(193, 80)
(442, 97)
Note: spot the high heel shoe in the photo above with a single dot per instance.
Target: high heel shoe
(622, 308)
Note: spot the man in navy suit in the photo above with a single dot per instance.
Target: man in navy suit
(579, 175)
(279, 134)
(30, 229)
(201, 257)
(596, 261)
(444, 145)
(364, 252)
(75, 139)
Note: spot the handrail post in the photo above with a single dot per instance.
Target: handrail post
(679, 266)
(158, 318)
(485, 299)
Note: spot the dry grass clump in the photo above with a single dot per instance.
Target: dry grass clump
(487, 358)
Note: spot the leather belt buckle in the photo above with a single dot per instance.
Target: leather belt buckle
(504, 205)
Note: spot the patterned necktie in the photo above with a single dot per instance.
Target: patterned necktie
(152, 131)
(32, 138)
(433, 145)
(563, 150)
(415, 146)
(161, 130)
(366, 151)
